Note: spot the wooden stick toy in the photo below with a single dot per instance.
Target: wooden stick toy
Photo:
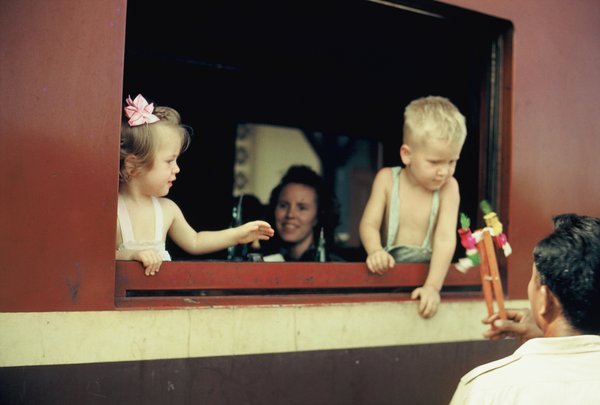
(479, 246)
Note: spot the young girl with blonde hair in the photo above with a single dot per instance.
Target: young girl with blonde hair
(151, 141)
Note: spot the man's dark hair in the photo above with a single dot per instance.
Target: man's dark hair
(568, 263)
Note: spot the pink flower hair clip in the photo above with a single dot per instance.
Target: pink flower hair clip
(139, 111)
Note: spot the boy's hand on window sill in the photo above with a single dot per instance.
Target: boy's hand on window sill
(430, 300)
(380, 261)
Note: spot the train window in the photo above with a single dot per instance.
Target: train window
(331, 80)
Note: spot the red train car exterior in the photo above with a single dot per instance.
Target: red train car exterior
(66, 335)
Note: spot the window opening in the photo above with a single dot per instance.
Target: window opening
(334, 79)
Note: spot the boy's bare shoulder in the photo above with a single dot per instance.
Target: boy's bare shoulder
(383, 174)
(450, 189)
(383, 179)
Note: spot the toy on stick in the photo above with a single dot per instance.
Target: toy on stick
(469, 241)
(492, 221)
(479, 247)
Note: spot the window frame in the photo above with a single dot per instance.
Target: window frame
(495, 135)
(227, 283)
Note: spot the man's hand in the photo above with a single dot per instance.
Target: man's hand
(519, 325)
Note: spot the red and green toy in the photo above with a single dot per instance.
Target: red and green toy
(479, 247)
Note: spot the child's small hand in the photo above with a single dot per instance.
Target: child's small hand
(255, 230)
(380, 261)
(430, 300)
(150, 259)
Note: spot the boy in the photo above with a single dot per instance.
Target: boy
(416, 207)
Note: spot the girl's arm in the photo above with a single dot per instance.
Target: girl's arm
(150, 259)
(203, 242)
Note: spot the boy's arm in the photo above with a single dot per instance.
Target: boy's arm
(444, 236)
(370, 224)
(443, 245)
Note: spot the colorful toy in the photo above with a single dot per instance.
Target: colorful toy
(492, 221)
(469, 242)
(479, 246)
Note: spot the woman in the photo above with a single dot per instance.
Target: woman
(303, 209)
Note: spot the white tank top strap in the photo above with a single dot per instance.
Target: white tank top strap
(124, 221)
(435, 204)
(392, 229)
(158, 219)
(393, 217)
(127, 230)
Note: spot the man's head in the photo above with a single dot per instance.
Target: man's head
(566, 274)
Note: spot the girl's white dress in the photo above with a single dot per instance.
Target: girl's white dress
(130, 243)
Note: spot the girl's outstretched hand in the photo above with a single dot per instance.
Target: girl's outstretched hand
(255, 230)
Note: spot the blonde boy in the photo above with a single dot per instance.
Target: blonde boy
(416, 207)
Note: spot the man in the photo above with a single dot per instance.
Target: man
(559, 361)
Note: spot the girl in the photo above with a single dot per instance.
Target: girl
(151, 140)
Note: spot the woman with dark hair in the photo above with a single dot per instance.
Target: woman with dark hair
(305, 213)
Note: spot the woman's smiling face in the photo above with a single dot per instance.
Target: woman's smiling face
(296, 214)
